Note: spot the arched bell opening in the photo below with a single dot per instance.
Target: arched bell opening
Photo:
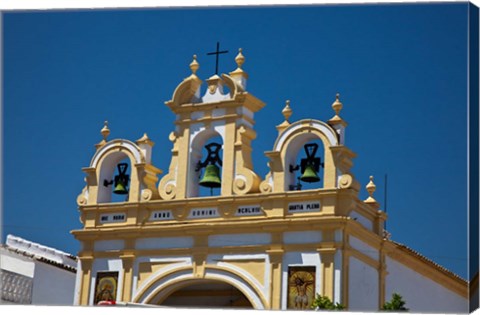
(115, 178)
(205, 167)
(208, 294)
(304, 163)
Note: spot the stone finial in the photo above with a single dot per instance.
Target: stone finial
(145, 140)
(286, 112)
(238, 74)
(337, 105)
(105, 132)
(240, 59)
(194, 65)
(371, 187)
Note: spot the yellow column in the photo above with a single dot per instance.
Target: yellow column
(127, 261)
(276, 258)
(85, 278)
(182, 170)
(228, 169)
(327, 257)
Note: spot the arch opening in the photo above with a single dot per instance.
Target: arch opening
(209, 294)
(304, 163)
(110, 173)
(203, 154)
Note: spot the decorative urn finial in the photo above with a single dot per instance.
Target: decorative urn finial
(337, 105)
(240, 59)
(371, 187)
(105, 132)
(287, 111)
(194, 65)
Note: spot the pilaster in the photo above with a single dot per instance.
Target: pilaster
(276, 259)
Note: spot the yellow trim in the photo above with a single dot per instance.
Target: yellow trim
(328, 269)
(276, 261)
(127, 262)
(85, 278)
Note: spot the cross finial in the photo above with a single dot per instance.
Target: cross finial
(217, 53)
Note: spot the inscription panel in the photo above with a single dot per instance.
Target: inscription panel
(309, 206)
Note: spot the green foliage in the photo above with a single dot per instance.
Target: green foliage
(324, 303)
(395, 304)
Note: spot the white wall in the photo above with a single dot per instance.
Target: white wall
(420, 293)
(52, 285)
(363, 290)
(363, 247)
(17, 263)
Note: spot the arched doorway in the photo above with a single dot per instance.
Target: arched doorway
(209, 294)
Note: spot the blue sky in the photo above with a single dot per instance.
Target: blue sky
(401, 71)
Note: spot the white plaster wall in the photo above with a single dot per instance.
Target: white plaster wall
(17, 263)
(101, 246)
(363, 247)
(78, 279)
(164, 242)
(302, 237)
(300, 259)
(52, 285)
(239, 239)
(337, 277)
(363, 292)
(362, 220)
(420, 293)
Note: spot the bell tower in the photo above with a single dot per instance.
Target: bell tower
(224, 111)
(267, 244)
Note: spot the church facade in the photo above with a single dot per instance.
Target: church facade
(264, 242)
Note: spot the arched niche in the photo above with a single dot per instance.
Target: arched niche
(205, 293)
(158, 288)
(287, 148)
(293, 157)
(199, 139)
(105, 163)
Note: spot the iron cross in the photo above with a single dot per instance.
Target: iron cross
(217, 53)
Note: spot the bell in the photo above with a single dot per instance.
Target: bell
(211, 178)
(120, 188)
(121, 180)
(309, 175)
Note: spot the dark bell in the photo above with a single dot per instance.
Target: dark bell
(309, 175)
(211, 178)
(121, 180)
(120, 188)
